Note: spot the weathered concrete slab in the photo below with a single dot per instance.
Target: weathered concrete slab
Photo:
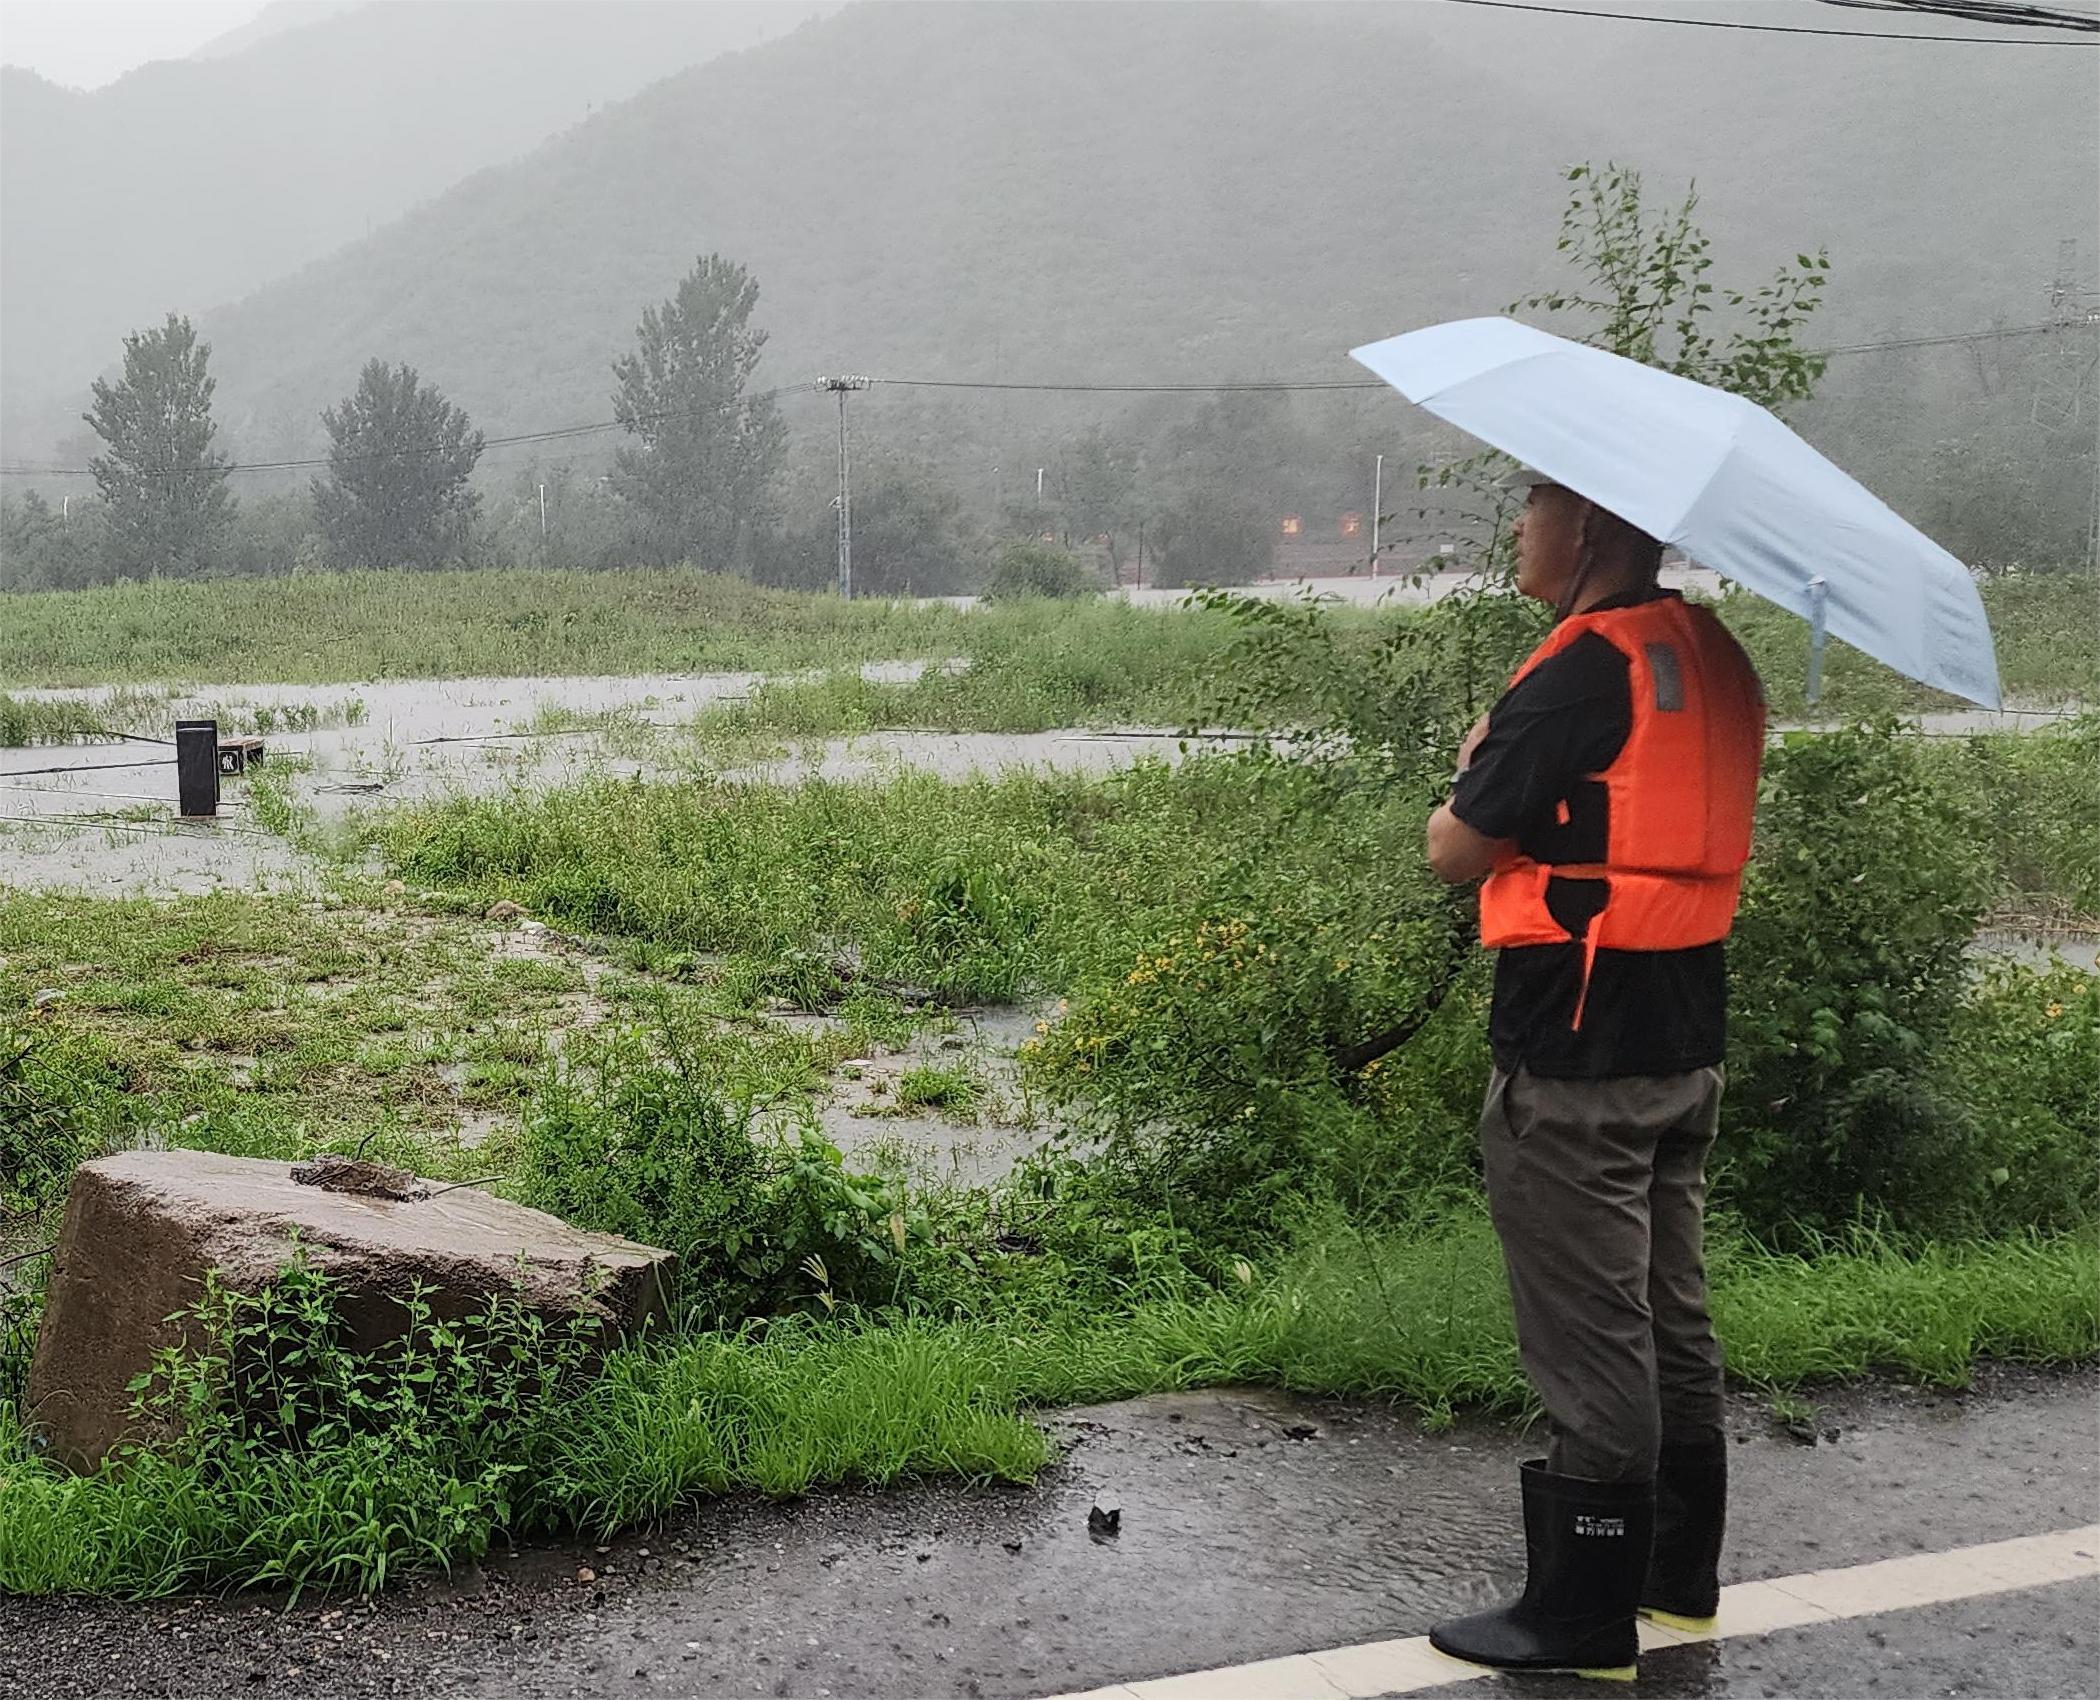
(142, 1230)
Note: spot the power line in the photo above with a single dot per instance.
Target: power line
(1282, 387)
(2008, 12)
(553, 434)
(1943, 341)
(1228, 388)
(1762, 29)
(1220, 387)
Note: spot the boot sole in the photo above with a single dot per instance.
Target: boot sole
(1593, 1673)
(1677, 1621)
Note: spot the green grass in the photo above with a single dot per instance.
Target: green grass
(1038, 664)
(2046, 627)
(1214, 929)
(268, 1026)
(332, 627)
(27, 721)
(1416, 1319)
(658, 1426)
(130, 709)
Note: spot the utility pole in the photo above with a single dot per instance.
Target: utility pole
(543, 513)
(839, 387)
(1377, 502)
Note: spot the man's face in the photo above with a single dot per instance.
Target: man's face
(1548, 534)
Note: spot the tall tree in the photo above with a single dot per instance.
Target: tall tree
(1097, 487)
(164, 482)
(400, 455)
(707, 448)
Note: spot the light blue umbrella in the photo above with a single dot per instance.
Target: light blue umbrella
(1714, 475)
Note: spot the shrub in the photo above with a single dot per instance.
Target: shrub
(61, 1102)
(292, 1459)
(2043, 818)
(1025, 568)
(625, 1139)
(1847, 969)
(1214, 535)
(2024, 1056)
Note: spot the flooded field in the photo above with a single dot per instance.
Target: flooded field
(101, 816)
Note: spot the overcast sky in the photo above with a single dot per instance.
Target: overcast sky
(86, 43)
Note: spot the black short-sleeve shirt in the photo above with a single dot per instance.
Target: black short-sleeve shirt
(1532, 779)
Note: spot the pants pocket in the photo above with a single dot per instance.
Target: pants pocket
(1513, 1103)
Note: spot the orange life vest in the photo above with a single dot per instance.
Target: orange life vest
(1680, 795)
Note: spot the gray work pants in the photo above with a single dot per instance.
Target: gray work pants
(1598, 1192)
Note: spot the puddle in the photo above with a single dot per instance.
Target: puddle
(964, 1146)
(2079, 947)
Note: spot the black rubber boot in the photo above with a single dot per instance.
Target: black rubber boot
(1587, 1544)
(1683, 1590)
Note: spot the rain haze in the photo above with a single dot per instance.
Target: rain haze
(1049, 847)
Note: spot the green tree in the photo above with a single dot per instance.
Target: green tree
(400, 455)
(1097, 489)
(164, 482)
(707, 448)
(910, 538)
(1642, 287)
(1641, 290)
(45, 548)
(1026, 567)
(561, 516)
(1215, 534)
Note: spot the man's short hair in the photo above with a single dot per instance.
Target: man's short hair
(1620, 539)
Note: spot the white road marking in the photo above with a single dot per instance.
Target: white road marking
(1750, 1608)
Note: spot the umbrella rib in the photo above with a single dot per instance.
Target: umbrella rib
(1735, 431)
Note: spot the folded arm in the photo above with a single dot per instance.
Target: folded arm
(1457, 853)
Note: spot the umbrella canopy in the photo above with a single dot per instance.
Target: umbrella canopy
(1712, 474)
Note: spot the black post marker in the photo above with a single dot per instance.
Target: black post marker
(197, 768)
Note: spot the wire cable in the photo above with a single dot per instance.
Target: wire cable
(553, 434)
(2006, 12)
(1759, 29)
(82, 767)
(1227, 386)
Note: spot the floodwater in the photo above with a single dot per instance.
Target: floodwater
(1399, 586)
(969, 1144)
(107, 822)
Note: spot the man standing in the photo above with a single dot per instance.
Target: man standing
(1608, 799)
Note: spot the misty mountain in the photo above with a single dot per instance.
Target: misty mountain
(189, 183)
(1108, 192)
(274, 19)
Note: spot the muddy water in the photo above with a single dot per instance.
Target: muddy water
(108, 824)
(2078, 947)
(1400, 584)
(969, 1146)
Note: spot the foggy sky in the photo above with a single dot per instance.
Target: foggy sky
(86, 43)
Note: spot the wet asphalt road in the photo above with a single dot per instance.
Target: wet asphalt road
(1252, 1526)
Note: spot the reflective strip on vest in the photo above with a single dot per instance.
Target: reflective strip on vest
(1681, 794)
